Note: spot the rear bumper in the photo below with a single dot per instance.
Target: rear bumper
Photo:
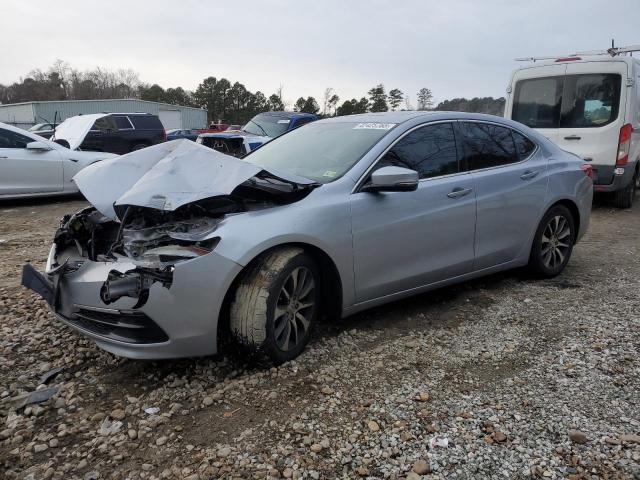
(619, 179)
(176, 321)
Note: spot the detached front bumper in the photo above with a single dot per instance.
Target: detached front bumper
(179, 320)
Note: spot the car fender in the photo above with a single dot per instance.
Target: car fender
(245, 236)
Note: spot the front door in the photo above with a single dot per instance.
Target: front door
(27, 171)
(404, 240)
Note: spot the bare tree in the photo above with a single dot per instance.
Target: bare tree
(325, 99)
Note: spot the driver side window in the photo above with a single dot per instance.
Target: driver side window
(430, 151)
(9, 139)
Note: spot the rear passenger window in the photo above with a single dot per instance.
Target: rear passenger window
(487, 145)
(430, 150)
(123, 123)
(524, 146)
(146, 122)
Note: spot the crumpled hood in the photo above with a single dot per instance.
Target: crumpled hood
(74, 129)
(167, 176)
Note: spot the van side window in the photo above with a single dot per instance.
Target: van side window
(536, 102)
(590, 100)
(524, 146)
(430, 151)
(487, 145)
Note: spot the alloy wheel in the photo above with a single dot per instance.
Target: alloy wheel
(555, 240)
(294, 308)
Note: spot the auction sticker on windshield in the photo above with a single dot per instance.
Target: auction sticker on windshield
(374, 126)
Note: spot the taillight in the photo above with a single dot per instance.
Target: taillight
(568, 59)
(624, 143)
(587, 169)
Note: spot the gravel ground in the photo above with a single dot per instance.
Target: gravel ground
(503, 377)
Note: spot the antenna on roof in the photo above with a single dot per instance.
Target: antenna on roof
(613, 51)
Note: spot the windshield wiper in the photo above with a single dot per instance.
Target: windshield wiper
(260, 127)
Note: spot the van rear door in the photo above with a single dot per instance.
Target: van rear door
(593, 110)
(536, 98)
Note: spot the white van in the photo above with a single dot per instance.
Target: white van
(588, 105)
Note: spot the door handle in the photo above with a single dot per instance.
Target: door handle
(529, 174)
(572, 137)
(458, 192)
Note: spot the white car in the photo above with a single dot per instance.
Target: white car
(588, 104)
(32, 166)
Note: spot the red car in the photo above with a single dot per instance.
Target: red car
(214, 128)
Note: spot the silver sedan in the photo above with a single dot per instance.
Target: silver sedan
(184, 244)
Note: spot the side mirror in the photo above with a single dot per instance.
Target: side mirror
(392, 179)
(40, 146)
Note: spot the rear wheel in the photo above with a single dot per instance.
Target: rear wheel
(277, 303)
(624, 198)
(138, 146)
(553, 242)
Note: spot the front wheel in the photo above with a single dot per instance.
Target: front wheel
(553, 243)
(276, 304)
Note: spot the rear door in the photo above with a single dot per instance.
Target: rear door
(25, 171)
(593, 110)
(510, 178)
(536, 98)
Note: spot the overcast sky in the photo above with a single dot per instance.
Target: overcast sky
(457, 48)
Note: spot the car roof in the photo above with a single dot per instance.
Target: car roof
(405, 116)
(19, 130)
(282, 114)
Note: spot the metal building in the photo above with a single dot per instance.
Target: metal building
(27, 114)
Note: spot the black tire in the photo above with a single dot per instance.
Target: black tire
(257, 320)
(551, 237)
(138, 146)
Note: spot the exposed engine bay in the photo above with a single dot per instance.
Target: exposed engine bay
(159, 206)
(229, 146)
(155, 240)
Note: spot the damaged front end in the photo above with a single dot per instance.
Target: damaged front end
(123, 272)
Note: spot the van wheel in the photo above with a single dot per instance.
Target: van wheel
(553, 243)
(624, 198)
(276, 304)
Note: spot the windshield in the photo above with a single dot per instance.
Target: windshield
(267, 126)
(320, 151)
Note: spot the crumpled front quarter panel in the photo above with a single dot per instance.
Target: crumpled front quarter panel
(322, 219)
